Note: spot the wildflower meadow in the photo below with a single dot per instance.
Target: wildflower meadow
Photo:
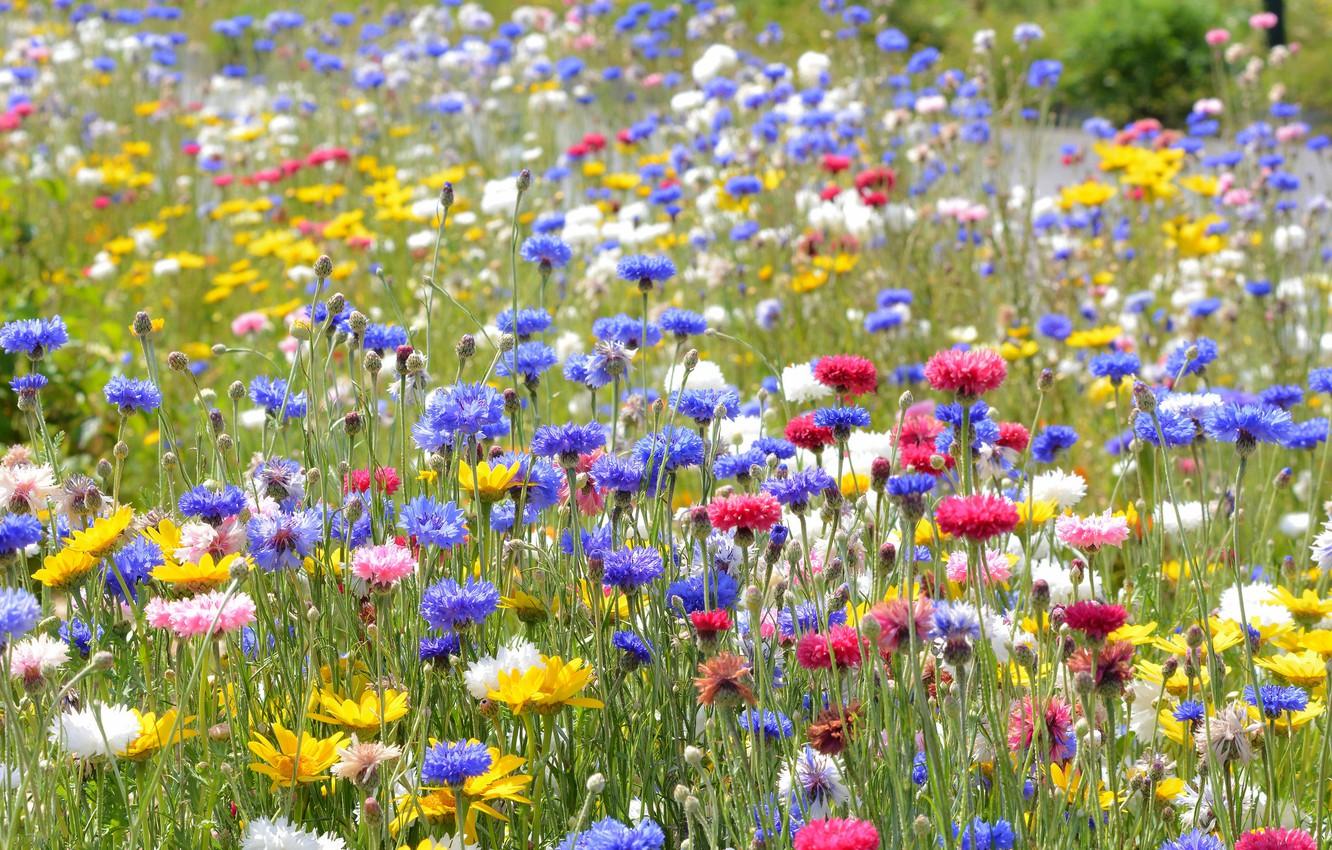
(621, 426)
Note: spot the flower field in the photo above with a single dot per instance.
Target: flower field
(617, 427)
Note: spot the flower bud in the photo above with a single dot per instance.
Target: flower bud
(446, 195)
(236, 391)
(143, 323)
(177, 361)
(524, 180)
(466, 347)
(323, 266)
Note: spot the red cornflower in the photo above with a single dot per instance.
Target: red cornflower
(1096, 620)
(921, 459)
(1058, 733)
(1276, 838)
(708, 624)
(387, 480)
(745, 512)
(969, 374)
(1013, 435)
(837, 834)
(880, 177)
(806, 435)
(1113, 667)
(918, 430)
(976, 518)
(847, 374)
(895, 622)
(725, 679)
(835, 162)
(357, 480)
(817, 651)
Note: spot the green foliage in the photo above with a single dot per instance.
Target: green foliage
(1139, 57)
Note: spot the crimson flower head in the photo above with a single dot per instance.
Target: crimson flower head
(804, 434)
(1014, 436)
(1276, 838)
(967, 374)
(1096, 620)
(976, 518)
(898, 618)
(752, 513)
(835, 162)
(847, 374)
(837, 834)
(840, 646)
(709, 624)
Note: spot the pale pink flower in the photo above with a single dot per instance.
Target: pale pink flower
(25, 488)
(37, 657)
(17, 455)
(1217, 37)
(1263, 20)
(996, 568)
(249, 323)
(360, 760)
(1090, 533)
(206, 614)
(196, 540)
(384, 565)
(1291, 132)
(1237, 198)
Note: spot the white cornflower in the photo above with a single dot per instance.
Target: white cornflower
(1065, 489)
(800, 386)
(279, 834)
(37, 657)
(482, 675)
(816, 782)
(98, 730)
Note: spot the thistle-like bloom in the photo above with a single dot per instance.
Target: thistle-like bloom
(359, 761)
(567, 442)
(645, 270)
(1247, 425)
(630, 569)
(282, 541)
(1056, 735)
(472, 411)
(724, 679)
(967, 374)
(546, 251)
(383, 566)
(19, 613)
(1229, 735)
(209, 614)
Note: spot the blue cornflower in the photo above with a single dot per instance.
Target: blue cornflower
(1115, 366)
(1246, 425)
(1054, 326)
(531, 321)
(1052, 440)
(274, 396)
(630, 569)
(954, 620)
(743, 184)
(796, 490)
(546, 250)
(1277, 699)
(1193, 840)
(282, 541)
(920, 772)
(132, 394)
(433, 523)
(595, 543)
(738, 465)
(1178, 430)
(1307, 434)
(666, 451)
(1044, 73)
(645, 270)
(842, 419)
(382, 338)
(130, 566)
(26, 387)
(621, 474)
(772, 725)
(281, 479)
(79, 635)
(775, 446)
(714, 589)
(453, 763)
(439, 648)
(980, 835)
(474, 411)
(607, 362)
(1282, 396)
(1179, 364)
(637, 651)
(18, 532)
(1189, 711)
(1320, 380)
(701, 405)
(626, 330)
(682, 323)
(805, 618)
(883, 320)
(19, 612)
(33, 337)
(449, 606)
(541, 480)
(528, 359)
(610, 834)
(910, 484)
(567, 442)
(212, 506)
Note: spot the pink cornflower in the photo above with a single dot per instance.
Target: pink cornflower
(841, 645)
(1057, 735)
(1276, 838)
(249, 323)
(1096, 620)
(749, 513)
(1263, 20)
(206, 614)
(383, 566)
(898, 618)
(847, 374)
(996, 567)
(37, 657)
(1090, 533)
(24, 488)
(969, 374)
(1217, 37)
(837, 834)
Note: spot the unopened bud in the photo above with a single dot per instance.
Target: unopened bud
(323, 266)
(177, 361)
